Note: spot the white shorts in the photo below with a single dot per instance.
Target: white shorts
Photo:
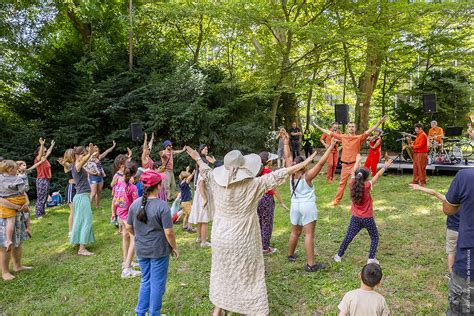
(302, 213)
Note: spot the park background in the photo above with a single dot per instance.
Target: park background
(227, 73)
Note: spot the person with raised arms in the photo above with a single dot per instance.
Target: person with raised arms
(303, 211)
(237, 280)
(350, 149)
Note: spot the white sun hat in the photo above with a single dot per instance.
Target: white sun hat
(237, 167)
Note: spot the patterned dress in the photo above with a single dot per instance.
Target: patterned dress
(237, 280)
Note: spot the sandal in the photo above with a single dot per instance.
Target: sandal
(85, 253)
(293, 257)
(270, 251)
(314, 267)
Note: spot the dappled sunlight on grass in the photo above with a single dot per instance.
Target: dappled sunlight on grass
(411, 251)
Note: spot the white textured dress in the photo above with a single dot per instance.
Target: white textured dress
(238, 272)
(200, 213)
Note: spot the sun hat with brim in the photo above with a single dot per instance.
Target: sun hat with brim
(150, 178)
(237, 167)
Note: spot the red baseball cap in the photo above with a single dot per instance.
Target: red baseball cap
(150, 178)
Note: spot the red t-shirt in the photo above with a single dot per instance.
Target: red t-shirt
(266, 171)
(421, 143)
(376, 150)
(43, 170)
(364, 209)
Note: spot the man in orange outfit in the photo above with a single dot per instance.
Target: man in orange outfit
(420, 156)
(334, 155)
(350, 149)
(435, 134)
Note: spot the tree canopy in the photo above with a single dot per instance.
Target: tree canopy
(224, 72)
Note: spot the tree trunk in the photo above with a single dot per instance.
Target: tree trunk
(366, 86)
(199, 43)
(308, 103)
(130, 34)
(84, 29)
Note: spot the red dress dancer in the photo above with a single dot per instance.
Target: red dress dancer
(374, 155)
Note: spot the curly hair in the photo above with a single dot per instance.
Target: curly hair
(358, 188)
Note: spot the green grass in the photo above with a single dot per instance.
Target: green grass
(411, 251)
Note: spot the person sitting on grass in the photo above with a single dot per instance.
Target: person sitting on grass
(365, 301)
(362, 209)
(452, 223)
(12, 188)
(149, 220)
(186, 198)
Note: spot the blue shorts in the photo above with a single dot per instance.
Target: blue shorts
(95, 179)
(70, 192)
(302, 213)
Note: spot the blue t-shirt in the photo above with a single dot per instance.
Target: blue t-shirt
(461, 192)
(452, 222)
(139, 186)
(186, 195)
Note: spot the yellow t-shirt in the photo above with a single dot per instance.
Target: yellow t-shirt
(8, 212)
(363, 303)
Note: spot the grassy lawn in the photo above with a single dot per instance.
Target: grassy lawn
(411, 252)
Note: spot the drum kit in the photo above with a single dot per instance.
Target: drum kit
(437, 152)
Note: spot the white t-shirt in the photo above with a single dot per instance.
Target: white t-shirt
(363, 303)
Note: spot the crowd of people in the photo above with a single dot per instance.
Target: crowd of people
(238, 196)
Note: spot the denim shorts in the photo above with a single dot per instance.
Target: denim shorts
(95, 179)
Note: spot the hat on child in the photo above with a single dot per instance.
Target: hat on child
(150, 178)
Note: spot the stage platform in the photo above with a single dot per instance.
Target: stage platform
(434, 168)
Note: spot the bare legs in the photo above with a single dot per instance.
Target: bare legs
(128, 248)
(451, 258)
(83, 251)
(5, 259)
(69, 222)
(100, 187)
(96, 190)
(308, 231)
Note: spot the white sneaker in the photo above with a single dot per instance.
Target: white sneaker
(337, 258)
(205, 244)
(129, 273)
(132, 265)
(197, 240)
(373, 261)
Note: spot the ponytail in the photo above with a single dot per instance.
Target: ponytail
(358, 187)
(130, 170)
(141, 215)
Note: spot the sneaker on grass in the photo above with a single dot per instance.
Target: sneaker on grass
(129, 273)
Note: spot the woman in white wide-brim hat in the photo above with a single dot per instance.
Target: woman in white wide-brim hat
(237, 280)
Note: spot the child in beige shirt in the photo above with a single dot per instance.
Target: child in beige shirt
(365, 301)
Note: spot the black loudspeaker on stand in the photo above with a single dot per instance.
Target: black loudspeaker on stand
(136, 131)
(341, 113)
(429, 103)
